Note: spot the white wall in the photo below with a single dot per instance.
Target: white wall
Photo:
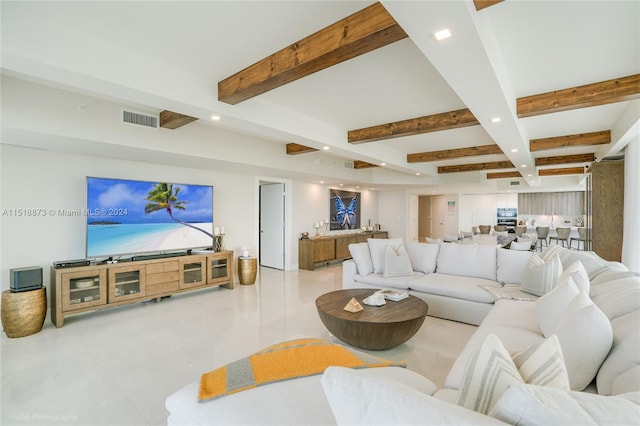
(631, 237)
(394, 214)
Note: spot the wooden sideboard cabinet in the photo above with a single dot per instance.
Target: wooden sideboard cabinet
(94, 287)
(323, 250)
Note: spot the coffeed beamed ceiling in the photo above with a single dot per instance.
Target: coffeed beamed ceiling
(364, 83)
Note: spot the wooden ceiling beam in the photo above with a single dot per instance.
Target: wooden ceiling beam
(475, 167)
(414, 126)
(369, 29)
(483, 4)
(504, 175)
(446, 154)
(604, 92)
(295, 149)
(357, 164)
(581, 139)
(562, 171)
(565, 159)
(173, 120)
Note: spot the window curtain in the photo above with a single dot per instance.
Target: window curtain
(631, 236)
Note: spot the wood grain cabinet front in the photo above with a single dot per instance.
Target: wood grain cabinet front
(323, 250)
(126, 283)
(90, 288)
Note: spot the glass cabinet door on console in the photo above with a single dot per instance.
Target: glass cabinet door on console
(193, 271)
(126, 282)
(84, 289)
(218, 268)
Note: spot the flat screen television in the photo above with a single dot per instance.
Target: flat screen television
(129, 217)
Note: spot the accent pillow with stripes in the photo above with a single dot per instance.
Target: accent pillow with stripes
(492, 370)
(540, 277)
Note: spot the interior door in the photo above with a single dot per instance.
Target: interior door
(439, 215)
(272, 225)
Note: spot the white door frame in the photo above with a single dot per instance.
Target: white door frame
(287, 217)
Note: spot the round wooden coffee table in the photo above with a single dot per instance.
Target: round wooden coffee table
(376, 327)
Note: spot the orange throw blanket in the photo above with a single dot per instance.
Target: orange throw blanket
(284, 361)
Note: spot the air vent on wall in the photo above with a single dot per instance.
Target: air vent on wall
(514, 183)
(349, 165)
(139, 119)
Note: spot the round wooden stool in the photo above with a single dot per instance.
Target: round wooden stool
(247, 270)
(23, 313)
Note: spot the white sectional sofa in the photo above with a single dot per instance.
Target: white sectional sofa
(451, 278)
(591, 311)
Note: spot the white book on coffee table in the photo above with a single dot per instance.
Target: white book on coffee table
(393, 295)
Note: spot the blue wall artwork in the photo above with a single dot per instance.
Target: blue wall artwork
(344, 209)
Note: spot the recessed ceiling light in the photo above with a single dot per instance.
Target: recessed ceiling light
(496, 119)
(442, 34)
(341, 184)
(215, 117)
(326, 148)
(418, 174)
(321, 181)
(383, 164)
(523, 166)
(371, 189)
(514, 150)
(358, 187)
(529, 175)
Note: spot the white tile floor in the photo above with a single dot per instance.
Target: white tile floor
(117, 366)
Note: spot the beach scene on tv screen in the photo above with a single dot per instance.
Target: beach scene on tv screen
(128, 217)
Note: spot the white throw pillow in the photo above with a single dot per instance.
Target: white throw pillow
(468, 260)
(492, 370)
(543, 364)
(396, 262)
(551, 251)
(376, 248)
(579, 274)
(586, 337)
(538, 405)
(358, 399)
(423, 256)
(488, 374)
(362, 257)
(511, 265)
(540, 277)
(551, 306)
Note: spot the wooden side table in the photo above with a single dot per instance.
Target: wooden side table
(247, 270)
(23, 313)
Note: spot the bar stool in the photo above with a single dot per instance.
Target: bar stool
(562, 234)
(543, 234)
(485, 229)
(582, 236)
(520, 230)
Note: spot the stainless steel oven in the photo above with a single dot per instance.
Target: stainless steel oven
(507, 216)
